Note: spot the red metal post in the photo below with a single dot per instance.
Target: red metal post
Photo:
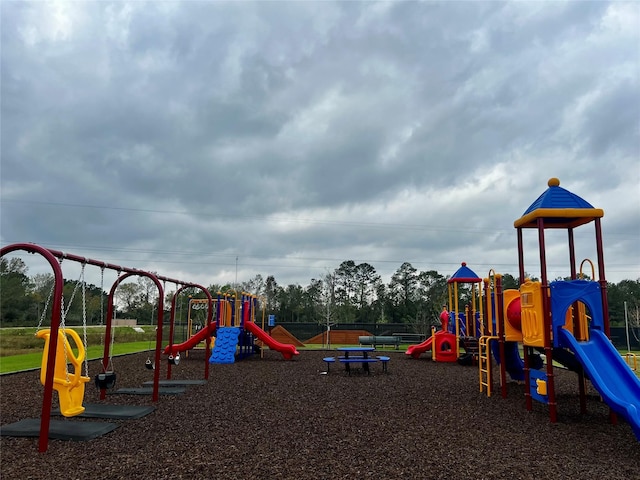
(56, 313)
(613, 418)
(572, 254)
(527, 350)
(521, 272)
(601, 278)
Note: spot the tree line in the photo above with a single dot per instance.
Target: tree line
(351, 293)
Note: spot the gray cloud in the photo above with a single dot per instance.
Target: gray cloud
(296, 135)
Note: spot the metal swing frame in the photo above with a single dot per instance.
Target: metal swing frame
(52, 256)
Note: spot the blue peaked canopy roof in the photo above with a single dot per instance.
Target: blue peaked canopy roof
(557, 197)
(464, 275)
(559, 208)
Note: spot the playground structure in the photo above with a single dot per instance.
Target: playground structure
(568, 320)
(565, 320)
(234, 331)
(476, 328)
(58, 351)
(459, 327)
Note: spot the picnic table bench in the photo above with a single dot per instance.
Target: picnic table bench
(329, 361)
(364, 361)
(410, 337)
(384, 360)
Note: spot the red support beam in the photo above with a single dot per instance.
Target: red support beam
(56, 313)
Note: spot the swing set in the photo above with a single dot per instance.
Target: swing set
(58, 349)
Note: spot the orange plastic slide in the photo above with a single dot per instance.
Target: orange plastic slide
(287, 350)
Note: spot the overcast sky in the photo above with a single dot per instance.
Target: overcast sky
(178, 137)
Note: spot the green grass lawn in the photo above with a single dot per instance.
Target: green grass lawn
(20, 349)
(15, 363)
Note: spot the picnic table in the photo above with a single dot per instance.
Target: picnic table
(361, 356)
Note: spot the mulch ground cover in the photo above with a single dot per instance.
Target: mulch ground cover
(270, 418)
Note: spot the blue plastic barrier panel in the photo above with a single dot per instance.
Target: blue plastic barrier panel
(538, 386)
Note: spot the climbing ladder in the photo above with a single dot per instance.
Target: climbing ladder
(484, 363)
(224, 350)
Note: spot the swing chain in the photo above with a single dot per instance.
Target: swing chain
(84, 322)
(106, 379)
(46, 306)
(64, 318)
(48, 301)
(75, 289)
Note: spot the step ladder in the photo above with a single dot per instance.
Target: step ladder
(484, 363)
(224, 350)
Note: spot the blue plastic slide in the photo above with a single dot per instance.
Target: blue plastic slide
(513, 363)
(610, 375)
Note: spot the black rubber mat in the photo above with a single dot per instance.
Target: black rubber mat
(149, 391)
(58, 429)
(168, 383)
(120, 412)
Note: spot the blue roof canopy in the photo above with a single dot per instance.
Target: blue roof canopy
(464, 275)
(557, 197)
(558, 208)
